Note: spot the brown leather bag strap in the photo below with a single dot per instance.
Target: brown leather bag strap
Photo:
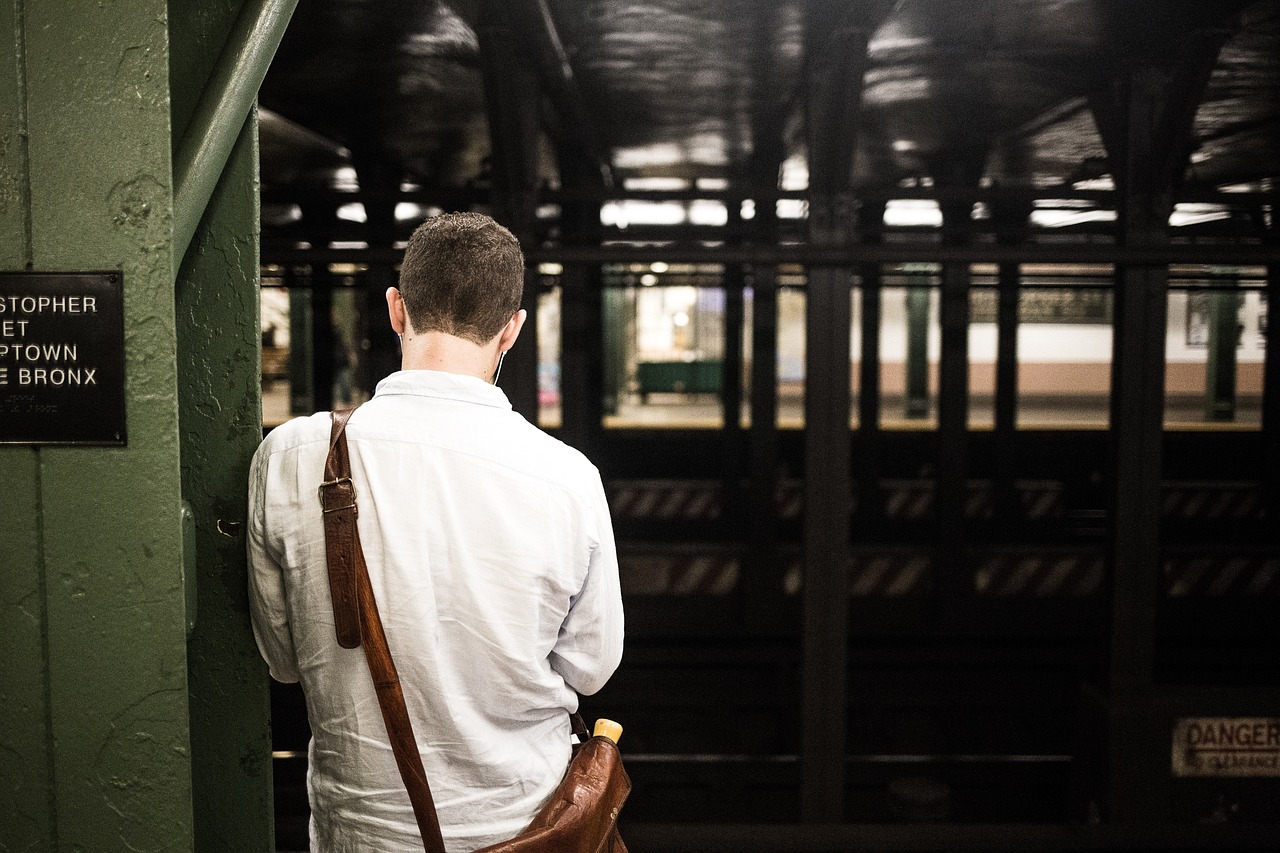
(355, 610)
(338, 503)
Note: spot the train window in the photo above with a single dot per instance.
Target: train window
(1214, 347)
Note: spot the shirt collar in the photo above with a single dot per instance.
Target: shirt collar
(446, 386)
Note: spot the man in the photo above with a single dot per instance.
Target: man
(491, 557)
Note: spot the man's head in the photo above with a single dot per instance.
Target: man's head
(463, 275)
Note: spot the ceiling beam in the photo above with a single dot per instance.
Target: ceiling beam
(574, 126)
(1076, 252)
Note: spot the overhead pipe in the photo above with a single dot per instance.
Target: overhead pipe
(224, 105)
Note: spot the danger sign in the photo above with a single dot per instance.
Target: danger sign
(1226, 746)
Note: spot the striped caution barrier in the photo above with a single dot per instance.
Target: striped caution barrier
(905, 500)
(889, 574)
(912, 500)
(1039, 575)
(1213, 501)
(678, 573)
(1221, 575)
(688, 499)
(790, 499)
(667, 499)
(893, 573)
(880, 574)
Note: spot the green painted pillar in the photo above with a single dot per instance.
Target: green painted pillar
(1220, 369)
(94, 748)
(616, 345)
(917, 366)
(220, 426)
(301, 376)
(119, 733)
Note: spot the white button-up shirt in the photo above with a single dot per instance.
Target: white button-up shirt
(492, 560)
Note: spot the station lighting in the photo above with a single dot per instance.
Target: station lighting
(353, 212)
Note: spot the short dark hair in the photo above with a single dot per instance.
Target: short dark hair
(463, 274)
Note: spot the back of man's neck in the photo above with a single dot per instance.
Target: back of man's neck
(447, 354)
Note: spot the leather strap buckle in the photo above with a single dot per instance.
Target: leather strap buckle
(340, 481)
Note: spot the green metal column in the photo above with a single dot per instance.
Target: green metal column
(220, 407)
(301, 393)
(94, 749)
(614, 306)
(917, 366)
(1220, 370)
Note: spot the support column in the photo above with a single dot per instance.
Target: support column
(318, 221)
(583, 329)
(218, 339)
(1011, 227)
(1145, 119)
(761, 587)
(954, 585)
(732, 444)
(1271, 373)
(870, 501)
(1220, 368)
(762, 571)
(835, 68)
(511, 98)
(381, 185)
(1137, 389)
(614, 304)
(95, 750)
(916, 385)
(301, 350)
(827, 491)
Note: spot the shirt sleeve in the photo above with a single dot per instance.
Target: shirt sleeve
(267, 608)
(589, 647)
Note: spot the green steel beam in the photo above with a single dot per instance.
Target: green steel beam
(1220, 366)
(94, 750)
(917, 361)
(219, 419)
(228, 97)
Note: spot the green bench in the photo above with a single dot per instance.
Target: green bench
(678, 377)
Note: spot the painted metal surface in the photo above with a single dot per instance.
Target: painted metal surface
(96, 739)
(101, 742)
(228, 96)
(218, 366)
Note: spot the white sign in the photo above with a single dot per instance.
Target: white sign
(1226, 746)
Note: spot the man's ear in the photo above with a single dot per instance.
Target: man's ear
(395, 309)
(511, 331)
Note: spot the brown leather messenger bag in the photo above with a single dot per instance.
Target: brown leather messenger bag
(581, 815)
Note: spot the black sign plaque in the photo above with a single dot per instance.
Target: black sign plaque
(62, 358)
